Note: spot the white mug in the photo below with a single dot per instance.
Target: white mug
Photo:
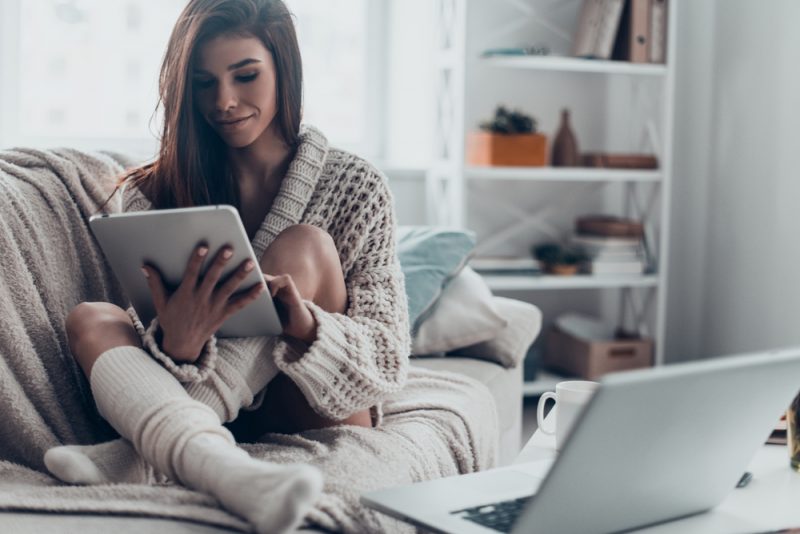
(570, 398)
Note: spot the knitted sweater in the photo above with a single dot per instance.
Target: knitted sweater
(359, 357)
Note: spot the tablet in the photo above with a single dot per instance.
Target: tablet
(166, 239)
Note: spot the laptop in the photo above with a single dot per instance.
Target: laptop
(651, 446)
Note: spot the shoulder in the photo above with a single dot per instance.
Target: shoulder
(350, 171)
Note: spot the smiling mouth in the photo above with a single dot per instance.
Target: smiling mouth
(232, 122)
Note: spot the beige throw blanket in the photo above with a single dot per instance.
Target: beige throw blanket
(437, 426)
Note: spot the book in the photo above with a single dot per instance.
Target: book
(616, 267)
(658, 31)
(632, 42)
(597, 27)
(601, 242)
(505, 264)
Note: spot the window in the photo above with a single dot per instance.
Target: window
(84, 73)
(87, 70)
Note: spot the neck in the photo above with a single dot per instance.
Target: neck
(263, 163)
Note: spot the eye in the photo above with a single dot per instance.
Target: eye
(203, 84)
(246, 78)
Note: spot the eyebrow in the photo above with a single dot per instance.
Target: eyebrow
(236, 65)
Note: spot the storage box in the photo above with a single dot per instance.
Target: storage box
(524, 150)
(592, 359)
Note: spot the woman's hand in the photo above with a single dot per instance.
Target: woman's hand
(297, 320)
(198, 308)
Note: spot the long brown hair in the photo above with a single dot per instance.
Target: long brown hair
(191, 168)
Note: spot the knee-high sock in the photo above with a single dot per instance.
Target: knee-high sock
(184, 439)
(244, 367)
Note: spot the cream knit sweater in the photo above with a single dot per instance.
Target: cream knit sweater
(359, 357)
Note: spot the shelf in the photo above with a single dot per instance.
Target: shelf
(572, 64)
(545, 381)
(586, 281)
(562, 174)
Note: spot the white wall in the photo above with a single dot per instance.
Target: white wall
(734, 283)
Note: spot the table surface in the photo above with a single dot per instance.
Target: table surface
(771, 501)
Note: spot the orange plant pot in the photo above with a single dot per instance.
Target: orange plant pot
(523, 150)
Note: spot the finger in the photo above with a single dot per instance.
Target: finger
(157, 289)
(212, 276)
(286, 291)
(193, 266)
(240, 301)
(232, 284)
(277, 283)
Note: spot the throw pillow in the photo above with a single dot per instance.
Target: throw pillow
(429, 258)
(508, 348)
(464, 315)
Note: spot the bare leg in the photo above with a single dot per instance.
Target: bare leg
(309, 255)
(95, 327)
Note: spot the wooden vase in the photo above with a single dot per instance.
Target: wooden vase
(565, 146)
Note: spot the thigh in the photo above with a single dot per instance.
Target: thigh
(95, 327)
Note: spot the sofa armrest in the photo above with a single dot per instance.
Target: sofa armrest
(505, 385)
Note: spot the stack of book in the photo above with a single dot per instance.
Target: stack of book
(612, 244)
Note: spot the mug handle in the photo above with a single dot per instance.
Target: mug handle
(540, 412)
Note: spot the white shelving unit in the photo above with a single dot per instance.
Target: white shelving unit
(460, 92)
(561, 174)
(571, 64)
(549, 282)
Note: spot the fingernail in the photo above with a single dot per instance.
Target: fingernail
(227, 253)
(202, 251)
(248, 266)
(145, 273)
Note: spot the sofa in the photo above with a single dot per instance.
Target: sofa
(33, 209)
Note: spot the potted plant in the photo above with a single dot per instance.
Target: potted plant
(559, 259)
(509, 139)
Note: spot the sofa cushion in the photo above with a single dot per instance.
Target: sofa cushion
(429, 257)
(464, 315)
(510, 345)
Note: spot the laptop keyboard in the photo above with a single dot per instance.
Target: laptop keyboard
(499, 516)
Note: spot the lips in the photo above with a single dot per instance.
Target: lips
(231, 122)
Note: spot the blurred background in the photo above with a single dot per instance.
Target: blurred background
(83, 73)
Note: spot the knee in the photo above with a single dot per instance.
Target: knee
(302, 244)
(89, 319)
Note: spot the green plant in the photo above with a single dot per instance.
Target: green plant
(509, 122)
(555, 254)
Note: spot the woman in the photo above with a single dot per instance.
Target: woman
(322, 224)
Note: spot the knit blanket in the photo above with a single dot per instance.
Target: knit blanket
(439, 425)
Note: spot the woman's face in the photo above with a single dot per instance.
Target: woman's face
(234, 87)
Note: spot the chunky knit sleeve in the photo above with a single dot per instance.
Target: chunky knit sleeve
(359, 357)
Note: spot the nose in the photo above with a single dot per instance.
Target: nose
(226, 98)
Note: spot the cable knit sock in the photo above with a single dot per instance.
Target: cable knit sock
(183, 439)
(114, 461)
(274, 498)
(244, 367)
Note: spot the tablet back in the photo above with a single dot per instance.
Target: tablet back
(166, 239)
